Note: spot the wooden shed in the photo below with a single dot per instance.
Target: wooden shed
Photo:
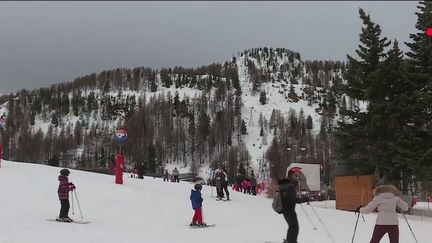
(354, 184)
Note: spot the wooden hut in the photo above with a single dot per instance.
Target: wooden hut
(354, 184)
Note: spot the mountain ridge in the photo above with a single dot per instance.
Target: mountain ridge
(289, 84)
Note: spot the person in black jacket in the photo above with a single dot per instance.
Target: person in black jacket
(288, 193)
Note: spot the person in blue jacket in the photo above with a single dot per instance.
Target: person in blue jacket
(197, 200)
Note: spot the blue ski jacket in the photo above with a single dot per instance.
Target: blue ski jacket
(196, 199)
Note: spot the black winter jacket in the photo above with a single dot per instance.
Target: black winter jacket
(289, 197)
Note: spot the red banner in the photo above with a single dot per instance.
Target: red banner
(119, 168)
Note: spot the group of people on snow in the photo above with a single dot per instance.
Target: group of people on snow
(386, 201)
(220, 181)
(174, 177)
(246, 184)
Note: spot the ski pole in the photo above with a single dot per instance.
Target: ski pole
(202, 213)
(412, 232)
(362, 202)
(325, 228)
(355, 228)
(358, 216)
(307, 215)
(73, 211)
(79, 207)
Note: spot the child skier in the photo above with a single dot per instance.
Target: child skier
(63, 193)
(196, 200)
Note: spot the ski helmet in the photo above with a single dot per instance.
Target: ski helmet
(64, 172)
(198, 187)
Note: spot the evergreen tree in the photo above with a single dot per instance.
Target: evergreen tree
(151, 158)
(54, 161)
(418, 99)
(32, 118)
(54, 120)
(243, 129)
(309, 123)
(263, 98)
(362, 77)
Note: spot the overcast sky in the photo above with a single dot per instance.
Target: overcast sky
(51, 42)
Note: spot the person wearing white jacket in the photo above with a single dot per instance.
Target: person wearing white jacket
(386, 199)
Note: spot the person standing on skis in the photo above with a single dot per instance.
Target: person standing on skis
(63, 193)
(166, 176)
(175, 174)
(288, 194)
(219, 183)
(225, 182)
(386, 200)
(196, 200)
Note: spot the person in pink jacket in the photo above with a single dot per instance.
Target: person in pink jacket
(246, 185)
(386, 199)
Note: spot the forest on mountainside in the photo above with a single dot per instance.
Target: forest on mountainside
(375, 108)
(81, 116)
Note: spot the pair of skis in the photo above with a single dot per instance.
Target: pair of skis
(217, 199)
(198, 227)
(73, 222)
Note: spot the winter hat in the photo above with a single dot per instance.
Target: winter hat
(198, 187)
(64, 172)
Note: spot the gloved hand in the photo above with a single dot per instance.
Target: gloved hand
(71, 185)
(357, 210)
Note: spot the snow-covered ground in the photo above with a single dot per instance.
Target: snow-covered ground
(153, 211)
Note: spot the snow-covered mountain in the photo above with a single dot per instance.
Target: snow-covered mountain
(288, 83)
(151, 210)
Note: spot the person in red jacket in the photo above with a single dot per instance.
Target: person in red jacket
(63, 193)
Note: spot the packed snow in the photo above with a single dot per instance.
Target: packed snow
(151, 210)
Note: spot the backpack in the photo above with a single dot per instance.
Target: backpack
(277, 203)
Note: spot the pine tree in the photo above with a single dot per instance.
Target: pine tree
(54, 120)
(151, 158)
(32, 118)
(243, 128)
(362, 78)
(418, 99)
(263, 98)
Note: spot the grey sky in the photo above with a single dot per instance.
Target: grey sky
(51, 42)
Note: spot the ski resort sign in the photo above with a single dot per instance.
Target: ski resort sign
(121, 135)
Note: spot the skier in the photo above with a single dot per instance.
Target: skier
(63, 193)
(225, 182)
(237, 182)
(219, 183)
(288, 194)
(246, 185)
(385, 200)
(196, 201)
(253, 185)
(176, 174)
(166, 176)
